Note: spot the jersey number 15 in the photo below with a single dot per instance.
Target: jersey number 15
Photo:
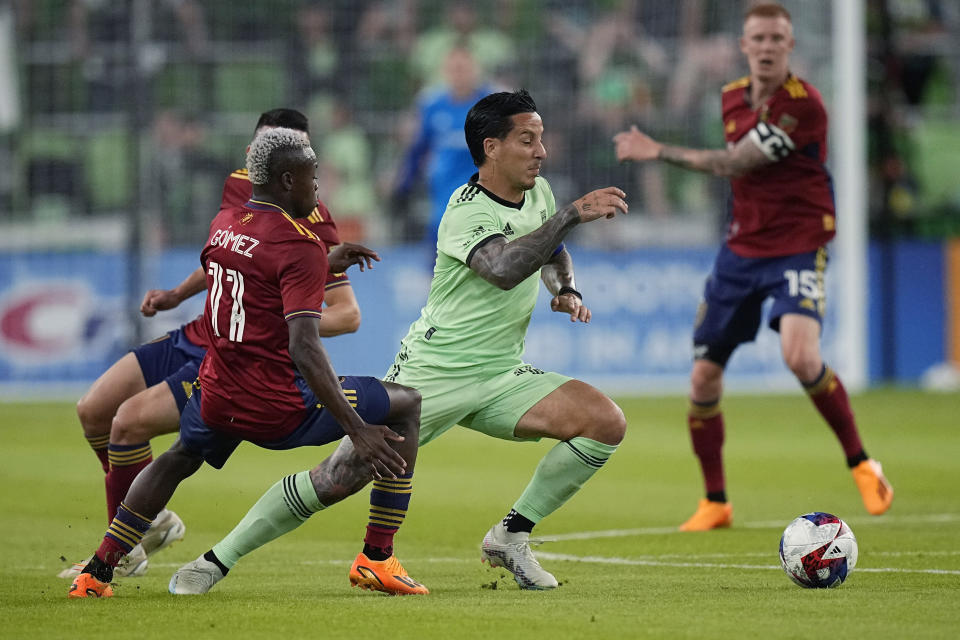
(805, 283)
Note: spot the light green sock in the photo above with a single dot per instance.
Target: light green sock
(284, 507)
(560, 474)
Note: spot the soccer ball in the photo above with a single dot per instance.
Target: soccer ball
(818, 550)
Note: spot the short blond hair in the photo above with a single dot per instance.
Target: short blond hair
(266, 148)
(767, 10)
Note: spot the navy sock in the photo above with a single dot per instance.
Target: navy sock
(515, 522)
(210, 556)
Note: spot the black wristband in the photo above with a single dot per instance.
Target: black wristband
(564, 290)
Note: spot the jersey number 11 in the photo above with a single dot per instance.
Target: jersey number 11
(237, 315)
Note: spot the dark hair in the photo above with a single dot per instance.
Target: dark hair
(286, 118)
(768, 10)
(491, 118)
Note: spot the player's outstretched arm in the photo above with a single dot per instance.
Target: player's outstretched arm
(745, 156)
(163, 299)
(507, 264)
(370, 440)
(342, 312)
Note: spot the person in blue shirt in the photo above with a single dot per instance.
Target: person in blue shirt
(440, 142)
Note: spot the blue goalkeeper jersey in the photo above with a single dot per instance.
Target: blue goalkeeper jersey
(441, 141)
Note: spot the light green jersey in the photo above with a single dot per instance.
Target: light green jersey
(469, 322)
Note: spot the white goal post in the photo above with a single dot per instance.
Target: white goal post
(849, 150)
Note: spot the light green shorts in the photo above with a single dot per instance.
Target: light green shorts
(490, 401)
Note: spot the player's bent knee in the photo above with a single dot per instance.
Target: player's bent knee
(706, 382)
(805, 365)
(92, 418)
(179, 460)
(125, 428)
(404, 403)
(610, 425)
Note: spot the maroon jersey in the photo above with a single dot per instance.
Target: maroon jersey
(263, 268)
(786, 207)
(237, 190)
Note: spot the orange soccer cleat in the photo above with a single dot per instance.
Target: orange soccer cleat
(86, 586)
(709, 515)
(874, 488)
(387, 575)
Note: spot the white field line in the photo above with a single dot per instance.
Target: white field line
(765, 524)
(760, 554)
(545, 555)
(654, 560)
(649, 561)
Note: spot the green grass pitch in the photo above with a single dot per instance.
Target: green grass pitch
(625, 571)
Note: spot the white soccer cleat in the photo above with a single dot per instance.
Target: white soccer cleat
(166, 529)
(512, 552)
(133, 564)
(74, 570)
(195, 578)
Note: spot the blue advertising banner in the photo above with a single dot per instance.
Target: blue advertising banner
(639, 340)
(65, 317)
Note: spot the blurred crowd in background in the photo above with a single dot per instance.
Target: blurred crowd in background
(129, 114)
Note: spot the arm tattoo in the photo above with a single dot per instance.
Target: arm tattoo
(340, 475)
(507, 264)
(722, 163)
(558, 272)
(677, 156)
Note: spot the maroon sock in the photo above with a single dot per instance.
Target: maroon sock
(706, 432)
(832, 402)
(111, 552)
(378, 540)
(124, 533)
(104, 458)
(99, 446)
(126, 461)
(389, 499)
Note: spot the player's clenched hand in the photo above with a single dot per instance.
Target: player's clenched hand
(636, 145)
(602, 203)
(569, 303)
(344, 255)
(158, 300)
(371, 444)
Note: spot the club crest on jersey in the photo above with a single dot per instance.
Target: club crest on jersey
(787, 123)
(247, 217)
(543, 215)
(731, 126)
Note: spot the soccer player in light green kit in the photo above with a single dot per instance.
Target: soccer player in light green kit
(464, 354)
